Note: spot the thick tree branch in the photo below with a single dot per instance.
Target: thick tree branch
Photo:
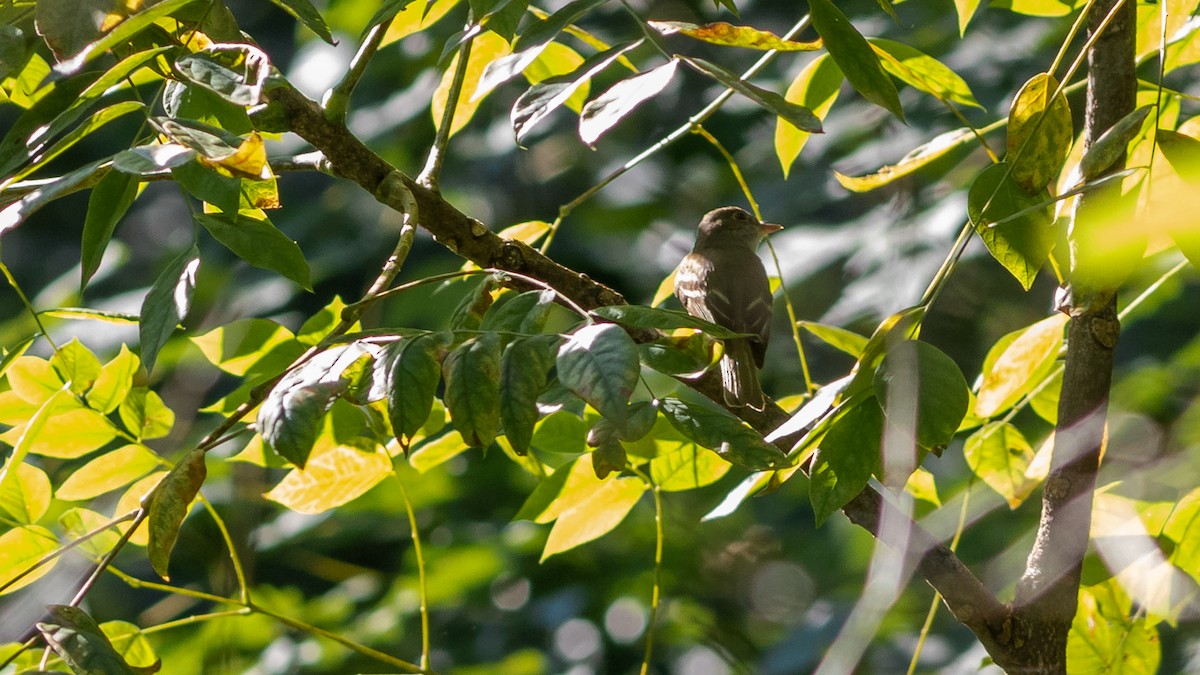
(1047, 594)
(973, 604)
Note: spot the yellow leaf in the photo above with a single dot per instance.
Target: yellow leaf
(248, 161)
(485, 48)
(1000, 455)
(558, 59)
(132, 499)
(20, 548)
(587, 508)
(815, 88)
(1015, 364)
(108, 472)
(414, 18)
(331, 478)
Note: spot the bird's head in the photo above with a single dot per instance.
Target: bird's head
(731, 225)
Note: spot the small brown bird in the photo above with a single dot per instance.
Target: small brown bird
(723, 281)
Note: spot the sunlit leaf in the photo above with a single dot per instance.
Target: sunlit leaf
(1015, 226)
(435, 452)
(545, 30)
(308, 15)
(1017, 363)
(919, 158)
(15, 213)
(839, 338)
(999, 454)
(923, 72)
(687, 469)
(170, 506)
(20, 548)
(815, 88)
(548, 95)
(606, 110)
(331, 478)
(235, 72)
(27, 497)
(722, 33)
(1112, 640)
(113, 382)
(122, 34)
(557, 59)
(77, 365)
(588, 508)
(485, 48)
(108, 472)
(145, 415)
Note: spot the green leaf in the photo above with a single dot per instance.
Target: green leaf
(687, 469)
(145, 415)
(727, 34)
(500, 16)
(77, 522)
(1015, 227)
(553, 60)
(108, 472)
(83, 646)
(167, 304)
(114, 382)
(524, 313)
(640, 316)
(916, 382)
(67, 26)
(292, 415)
(839, 338)
(169, 507)
(261, 244)
(603, 112)
(410, 370)
(854, 56)
(1040, 132)
(1045, 401)
(1017, 363)
(587, 508)
(923, 72)
(815, 88)
(235, 72)
(713, 427)
(472, 373)
(999, 455)
(545, 30)
(110, 199)
(132, 645)
(41, 156)
(13, 50)
(608, 455)
(308, 15)
(120, 35)
(208, 185)
(599, 364)
(332, 477)
(145, 159)
(548, 95)
(847, 458)
(21, 548)
(796, 115)
(914, 161)
(524, 371)
(1112, 144)
(14, 214)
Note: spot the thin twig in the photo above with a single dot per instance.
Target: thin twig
(437, 154)
(338, 100)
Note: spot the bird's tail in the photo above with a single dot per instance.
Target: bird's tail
(739, 376)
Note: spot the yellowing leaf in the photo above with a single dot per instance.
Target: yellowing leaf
(687, 469)
(248, 161)
(999, 455)
(485, 48)
(26, 498)
(722, 33)
(921, 485)
(68, 434)
(331, 478)
(587, 508)
(416, 17)
(1040, 133)
(131, 499)
(1016, 364)
(437, 451)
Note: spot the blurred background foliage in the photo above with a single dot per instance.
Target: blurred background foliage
(760, 591)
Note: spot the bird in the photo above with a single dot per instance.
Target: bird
(723, 281)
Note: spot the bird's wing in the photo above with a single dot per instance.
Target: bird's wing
(691, 287)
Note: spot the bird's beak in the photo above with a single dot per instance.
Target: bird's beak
(768, 228)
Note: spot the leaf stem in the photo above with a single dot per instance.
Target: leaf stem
(422, 588)
(437, 153)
